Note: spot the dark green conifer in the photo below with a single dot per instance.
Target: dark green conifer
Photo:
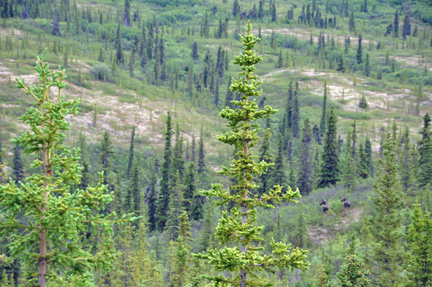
(126, 17)
(175, 209)
(387, 222)
(152, 203)
(396, 24)
(106, 154)
(119, 51)
(164, 194)
(367, 66)
(329, 173)
(201, 154)
(359, 55)
(425, 151)
(323, 122)
(131, 152)
(133, 195)
(305, 175)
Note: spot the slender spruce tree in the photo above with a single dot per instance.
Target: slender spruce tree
(126, 17)
(305, 174)
(425, 151)
(164, 194)
(201, 154)
(152, 203)
(419, 265)
(323, 122)
(131, 151)
(238, 229)
(329, 172)
(386, 225)
(48, 238)
(359, 55)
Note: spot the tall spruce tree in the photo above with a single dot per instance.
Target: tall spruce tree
(386, 224)
(359, 55)
(396, 24)
(119, 49)
(106, 156)
(349, 174)
(164, 194)
(279, 176)
(305, 174)
(425, 151)
(419, 266)
(48, 238)
(131, 151)
(152, 203)
(126, 17)
(201, 154)
(133, 195)
(329, 172)
(323, 122)
(175, 209)
(238, 229)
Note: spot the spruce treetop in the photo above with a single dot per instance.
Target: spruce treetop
(238, 228)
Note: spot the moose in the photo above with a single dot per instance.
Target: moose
(347, 204)
(325, 207)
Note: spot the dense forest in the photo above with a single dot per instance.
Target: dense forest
(215, 143)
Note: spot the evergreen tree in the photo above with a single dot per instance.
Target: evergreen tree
(133, 196)
(190, 188)
(352, 23)
(85, 177)
(239, 227)
(201, 155)
(18, 166)
(425, 151)
(341, 65)
(406, 30)
(56, 26)
(236, 8)
(126, 17)
(305, 174)
(368, 152)
(106, 154)
(329, 173)
(152, 203)
(353, 273)
(164, 194)
(323, 122)
(349, 175)
(419, 266)
(131, 151)
(387, 221)
(195, 51)
(359, 56)
(295, 116)
(178, 157)
(175, 209)
(367, 66)
(59, 213)
(396, 24)
(279, 176)
(363, 169)
(302, 231)
(119, 52)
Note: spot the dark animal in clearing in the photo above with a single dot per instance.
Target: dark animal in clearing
(325, 207)
(347, 204)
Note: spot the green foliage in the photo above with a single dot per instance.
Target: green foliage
(387, 222)
(329, 173)
(353, 273)
(239, 226)
(48, 237)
